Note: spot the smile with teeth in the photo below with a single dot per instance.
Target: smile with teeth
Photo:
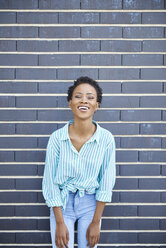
(83, 108)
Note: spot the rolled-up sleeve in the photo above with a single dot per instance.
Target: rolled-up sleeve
(107, 174)
(50, 190)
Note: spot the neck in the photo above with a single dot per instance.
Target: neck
(83, 127)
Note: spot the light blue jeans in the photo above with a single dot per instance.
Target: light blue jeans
(77, 208)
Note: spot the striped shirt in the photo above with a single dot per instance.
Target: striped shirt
(91, 170)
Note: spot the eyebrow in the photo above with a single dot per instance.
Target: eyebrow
(86, 93)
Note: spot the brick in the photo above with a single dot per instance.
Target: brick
(12, 115)
(110, 87)
(6, 73)
(152, 210)
(97, 4)
(155, 18)
(55, 4)
(163, 196)
(19, 4)
(37, 46)
(6, 156)
(13, 197)
(35, 128)
(140, 115)
(31, 210)
(59, 59)
(29, 156)
(7, 101)
(127, 156)
(152, 156)
(29, 184)
(164, 115)
(154, 45)
(7, 238)
(122, 18)
(141, 4)
(109, 224)
(153, 74)
(107, 115)
(126, 183)
(7, 45)
(120, 210)
(79, 45)
(18, 59)
(37, 73)
(152, 183)
(18, 87)
(141, 197)
(141, 87)
(120, 46)
(140, 142)
(7, 17)
(142, 59)
(153, 101)
(163, 172)
(19, 32)
(163, 224)
(120, 102)
(149, 238)
(153, 128)
(139, 224)
(7, 128)
(18, 224)
(42, 142)
(121, 238)
(143, 32)
(18, 170)
(43, 224)
(36, 101)
(72, 74)
(6, 211)
(54, 87)
(163, 143)
(34, 17)
(164, 87)
(56, 115)
(98, 32)
(76, 18)
(100, 59)
(16, 142)
(7, 183)
(140, 170)
(118, 74)
(121, 128)
(33, 237)
(59, 32)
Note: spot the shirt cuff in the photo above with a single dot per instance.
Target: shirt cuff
(103, 196)
(54, 203)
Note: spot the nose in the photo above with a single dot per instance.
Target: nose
(83, 99)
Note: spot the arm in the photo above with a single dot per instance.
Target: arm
(103, 193)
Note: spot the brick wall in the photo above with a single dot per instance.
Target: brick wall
(44, 46)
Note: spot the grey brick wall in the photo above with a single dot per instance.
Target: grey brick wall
(44, 46)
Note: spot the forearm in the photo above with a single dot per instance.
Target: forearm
(98, 212)
(58, 215)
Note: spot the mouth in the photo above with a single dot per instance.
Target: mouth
(83, 108)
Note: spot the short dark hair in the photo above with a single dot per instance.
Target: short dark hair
(85, 80)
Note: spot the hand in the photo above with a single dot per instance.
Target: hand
(61, 235)
(93, 234)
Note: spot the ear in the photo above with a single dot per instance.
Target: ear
(97, 106)
(69, 103)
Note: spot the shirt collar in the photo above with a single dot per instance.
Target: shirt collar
(96, 135)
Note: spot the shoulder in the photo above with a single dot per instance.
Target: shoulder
(55, 137)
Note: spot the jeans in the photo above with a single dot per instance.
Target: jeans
(78, 208)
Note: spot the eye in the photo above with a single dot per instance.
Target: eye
(77, 96)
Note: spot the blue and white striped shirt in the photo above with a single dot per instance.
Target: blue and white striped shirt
(91, 170)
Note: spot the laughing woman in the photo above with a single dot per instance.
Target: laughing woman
(79, 172)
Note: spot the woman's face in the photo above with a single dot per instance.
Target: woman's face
(84, 101)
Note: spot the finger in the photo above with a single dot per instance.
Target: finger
(67, 237)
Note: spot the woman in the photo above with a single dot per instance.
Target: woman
(79, 172)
